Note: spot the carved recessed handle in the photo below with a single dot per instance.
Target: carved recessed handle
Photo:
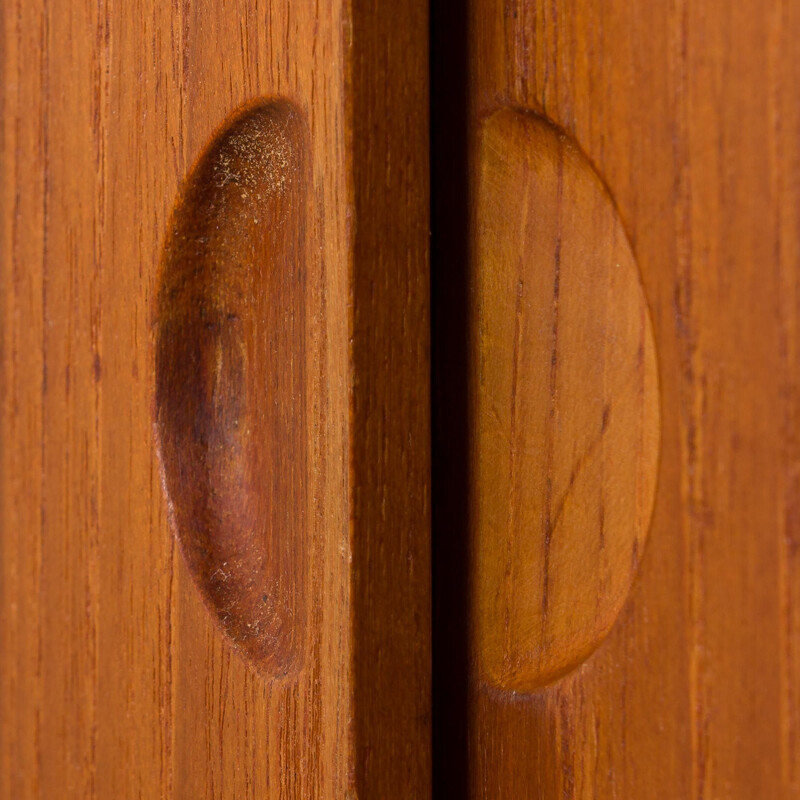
(231, 381)
(564, 406)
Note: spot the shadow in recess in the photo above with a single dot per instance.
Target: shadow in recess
(450, 344)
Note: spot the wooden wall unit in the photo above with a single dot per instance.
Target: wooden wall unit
(655, 144)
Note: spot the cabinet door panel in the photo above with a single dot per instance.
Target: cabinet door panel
(688, 112)
(117, 680)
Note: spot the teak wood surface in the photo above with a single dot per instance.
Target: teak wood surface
(116, 681)
(128, 667)
(688, 111)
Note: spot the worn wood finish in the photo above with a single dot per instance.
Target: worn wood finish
(688, 110)
(564, 406)
(115, 680)
(230, 382)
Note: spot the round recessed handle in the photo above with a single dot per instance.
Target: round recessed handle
(565, 413)
(231, 381)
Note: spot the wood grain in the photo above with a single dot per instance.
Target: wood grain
(688, 110)
(564, 406)
(115, 680)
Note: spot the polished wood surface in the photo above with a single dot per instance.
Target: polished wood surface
(115, 680)
(688, 110)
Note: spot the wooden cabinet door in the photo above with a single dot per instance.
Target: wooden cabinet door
(214, 242)
(687, 111)
(399, 399)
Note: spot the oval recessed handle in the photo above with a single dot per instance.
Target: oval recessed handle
(565, 406)
(231, 381)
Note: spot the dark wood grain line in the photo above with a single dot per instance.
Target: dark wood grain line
(547, 521)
